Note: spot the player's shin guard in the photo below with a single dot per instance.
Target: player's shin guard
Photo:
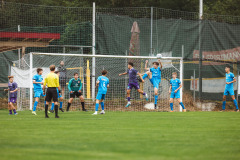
(69, 104)
(35, 105)
(52, 108)
(102, 105)
(56, 110)
(46, 110)
(83, 107)
(223, 105)
(155, 99)
(128, 98)
(61, 103)
(144, 76)
(182, 105)
(171, 106)
(235, 103)
(96, 107)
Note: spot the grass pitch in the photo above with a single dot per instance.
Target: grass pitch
(120, 135)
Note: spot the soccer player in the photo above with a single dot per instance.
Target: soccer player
(74, 87)
(133, 82)
(59, 97)
(12, 88)
(37, 87)
(174, 90)
(154, 75)
(62, 76)
(229, 90)
(102, 84)
(52, 81)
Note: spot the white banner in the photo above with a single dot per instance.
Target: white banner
(211, 85)
(22, 77)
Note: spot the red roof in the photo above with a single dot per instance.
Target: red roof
(29, 35)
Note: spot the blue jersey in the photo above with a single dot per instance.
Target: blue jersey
(37, 78)
(103, 83)
(156, 72)
(229, 78)
(175, 84)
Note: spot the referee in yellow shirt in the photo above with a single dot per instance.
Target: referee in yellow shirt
(52, 81)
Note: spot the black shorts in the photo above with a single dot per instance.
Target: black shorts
(62, 81)
(52, 94)
(75, 94)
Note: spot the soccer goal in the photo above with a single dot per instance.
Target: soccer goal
(89, 67)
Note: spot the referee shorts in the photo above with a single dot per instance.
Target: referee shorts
(52, 94)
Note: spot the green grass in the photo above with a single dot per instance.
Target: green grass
(120, 135)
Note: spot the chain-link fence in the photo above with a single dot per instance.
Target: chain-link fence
(127, 31)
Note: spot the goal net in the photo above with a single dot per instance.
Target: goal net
(89, 67)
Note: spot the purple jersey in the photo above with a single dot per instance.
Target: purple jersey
(12, 87)
(132, 75)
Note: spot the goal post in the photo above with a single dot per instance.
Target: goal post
(115, 64)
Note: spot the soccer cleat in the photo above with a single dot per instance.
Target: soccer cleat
(34, 113)
(84, 110)
(9, 114)
(222, 110)
(57, 117)
(171, 111)
(46, 116)
(15, 113)
(61, 109)
(48, 112)
(139, 79)
(102, 112)
(184, 110)
(52, 111)
(95, 113)
(237, 110)
(128, 104)
(146, 96)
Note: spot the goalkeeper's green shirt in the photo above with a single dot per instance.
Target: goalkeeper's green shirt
(74, 85)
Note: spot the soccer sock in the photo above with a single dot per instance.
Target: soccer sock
(155, 99)
(44, 103)
(83, 105)
(144, 93)
(69, 104)
(61, 103)
(96, 107)
(35, 105)
(223, 105)
(128, 98)
(14, 110)
(171, 106)
(182, 105)
(235, 103)
(10, 111)
(102, 105)
(56, 110)
(144, 76)
(52, 106)
(46, 109)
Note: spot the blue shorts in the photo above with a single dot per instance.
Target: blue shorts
(59, 96)
(100, 96)
(175, 95)
(38, 94)
(228, 91)
(155, 82)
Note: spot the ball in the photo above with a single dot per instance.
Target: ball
(159, 55)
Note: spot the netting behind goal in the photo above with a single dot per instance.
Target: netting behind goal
(116, 97)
